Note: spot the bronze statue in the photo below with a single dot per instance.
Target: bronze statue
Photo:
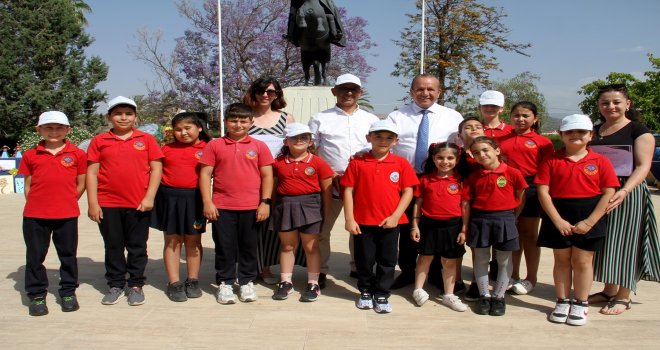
(313, 26)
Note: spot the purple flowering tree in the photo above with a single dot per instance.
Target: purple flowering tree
(252, 47)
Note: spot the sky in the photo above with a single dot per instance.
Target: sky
(573, 43)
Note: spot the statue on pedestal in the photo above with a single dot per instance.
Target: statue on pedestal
(313, 26)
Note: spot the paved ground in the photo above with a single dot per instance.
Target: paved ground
(331, 322)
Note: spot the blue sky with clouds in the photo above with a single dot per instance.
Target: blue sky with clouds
(574, 42)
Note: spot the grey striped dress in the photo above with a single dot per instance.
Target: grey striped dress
(268, 247)
(631, 250)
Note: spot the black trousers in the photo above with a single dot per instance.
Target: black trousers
(236, 234)
(376, 245)
(37, 234)
(125, 229)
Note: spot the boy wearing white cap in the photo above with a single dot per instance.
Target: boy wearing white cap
(575, 185)
(123, 175)
(339, 133)
(377, 190)
(54, 180)
(491, 104)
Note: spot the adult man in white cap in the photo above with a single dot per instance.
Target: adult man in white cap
(420, 124)
(339, 133)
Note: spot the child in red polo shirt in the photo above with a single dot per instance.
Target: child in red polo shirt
(123, 175)
(178, 205)
(378, 188)
(575, 185)
(304, 193)
(491, 105)
(493, 193)
(438, 223)
(54, 180)
(524, 149)
(238, 203)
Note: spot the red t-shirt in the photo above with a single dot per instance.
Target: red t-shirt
(441, 195)
(377, 186)
(181, 164)
(236, 173)
(300, 177)
(54, 184)
(525, 151)
(498, 132)
(582, 179)
(494, 190)
(124, 167)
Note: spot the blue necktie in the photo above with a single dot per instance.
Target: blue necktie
(421, 150)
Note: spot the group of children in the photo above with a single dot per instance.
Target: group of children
(481, 193)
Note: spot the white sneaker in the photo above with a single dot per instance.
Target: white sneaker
(560, 313)
(225, 294)
(522, 287)
(248, 293)
(420, 296)
(453, 302)
(578, 314)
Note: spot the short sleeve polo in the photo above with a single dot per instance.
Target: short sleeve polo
(295, 178)
(181, 164)
(494, 190)
(441, 195)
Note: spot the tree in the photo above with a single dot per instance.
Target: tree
(462, 37)
(644, 94)
(521, 87)
(252, 47)
(43, 64)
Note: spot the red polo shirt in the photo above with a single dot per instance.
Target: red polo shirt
(525, 151)
(236, 171)
(53, 188)
(300, 177)
(582, 179)
(377, 186)
(124, 167)
(494, 189)
(181, 164)
(441, 195)
(498, 132)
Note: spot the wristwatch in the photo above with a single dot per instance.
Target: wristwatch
(266, 200)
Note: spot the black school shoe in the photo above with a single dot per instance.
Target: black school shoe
(176, 291)
(38, 306)
(497, 306)
(192, 288)
(482, 307)
(311, 293)
(70, 303)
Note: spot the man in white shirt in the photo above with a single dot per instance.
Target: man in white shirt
(339, 133)
(441, 125)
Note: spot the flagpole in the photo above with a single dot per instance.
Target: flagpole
(222, 106)
(421, 63)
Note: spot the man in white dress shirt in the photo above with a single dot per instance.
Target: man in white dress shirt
(339, 133)
(441, 125)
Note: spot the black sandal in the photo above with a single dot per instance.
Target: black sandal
(614, 302)
(605, 298)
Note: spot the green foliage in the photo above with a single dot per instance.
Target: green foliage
(556, 140)
(644, 94)
(30, 138)
(43, 64)
(521, 87)
(462, 38)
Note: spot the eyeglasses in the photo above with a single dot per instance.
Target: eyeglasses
(271, 93)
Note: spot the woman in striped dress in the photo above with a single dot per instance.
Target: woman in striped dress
(631, 251)
(266, 98)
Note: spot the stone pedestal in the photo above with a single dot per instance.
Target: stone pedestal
(305, 101)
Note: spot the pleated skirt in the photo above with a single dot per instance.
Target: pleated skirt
(178, 211)
(493, 228)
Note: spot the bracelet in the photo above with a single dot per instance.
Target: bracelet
(623, 189)
(414, 228)
(586, 223)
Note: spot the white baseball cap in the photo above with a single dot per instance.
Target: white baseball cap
(295, 129)
(576, 122)
(491, 97)
(120, 100)
(53, 117)
(384, 125)
(348, 79)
